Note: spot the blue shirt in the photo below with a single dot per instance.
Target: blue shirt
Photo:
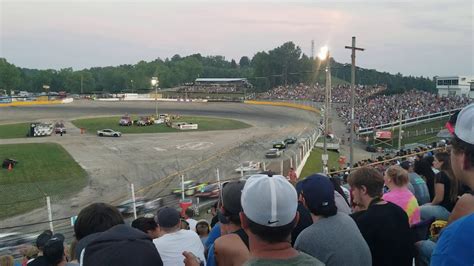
(213, 235)
(455, 245)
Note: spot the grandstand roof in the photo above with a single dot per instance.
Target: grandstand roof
(219, 79)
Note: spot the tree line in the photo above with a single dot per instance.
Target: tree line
(283, 65)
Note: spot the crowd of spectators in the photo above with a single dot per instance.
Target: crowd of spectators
(383, 109)
(416, 207)
(210, 89)
(339, 94)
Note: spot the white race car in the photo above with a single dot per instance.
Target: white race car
(249, 167)
(108, 133)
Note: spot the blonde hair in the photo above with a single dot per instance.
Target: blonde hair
(6, 260)
(398, 175)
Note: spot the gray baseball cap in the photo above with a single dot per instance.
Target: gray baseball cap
(269, 201)
(464, 128)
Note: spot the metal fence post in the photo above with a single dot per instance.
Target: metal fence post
(132, 187)
(50, 213)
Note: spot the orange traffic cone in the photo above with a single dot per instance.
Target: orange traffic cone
(9, 166)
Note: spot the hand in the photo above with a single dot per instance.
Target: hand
(190, 259)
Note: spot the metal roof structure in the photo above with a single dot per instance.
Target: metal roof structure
(220, 79)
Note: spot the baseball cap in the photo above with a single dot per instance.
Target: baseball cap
(406, 165)
(167, 217)
(269, 201)
(318, 192)
(54, 249)
(231, 193)
(452, 122)
(43, 238)
(464, 128)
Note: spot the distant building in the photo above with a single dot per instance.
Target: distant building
(455, 86)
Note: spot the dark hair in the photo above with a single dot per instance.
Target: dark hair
(337, 187)
(54, 251)
(423, 168)
(459, 146)
(95, 218)
(272, 234)
(446, 168)
(371, 178)
(144, 224)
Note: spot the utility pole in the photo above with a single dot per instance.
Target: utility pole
(82, 81)
(400, 130)
(353, 69)
(312, 49)
(326, 112)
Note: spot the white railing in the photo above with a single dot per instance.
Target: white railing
(409, 121)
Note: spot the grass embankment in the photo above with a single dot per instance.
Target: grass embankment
(314, 164)
(11, 131)
(204, 124)
(45, 168)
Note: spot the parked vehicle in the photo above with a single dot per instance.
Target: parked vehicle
(273, 153)
(145, 121)
(249, 166)
(59, 128)
(108, 133)
(191, 187)
(126, 120)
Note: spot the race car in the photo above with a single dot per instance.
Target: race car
(142, 205)
(145, 121)
(190, 188)
(281, 145)
(59, 128)
(273, 153)
(209, 191)
(290, 140)
(108, 133)
(249, 166)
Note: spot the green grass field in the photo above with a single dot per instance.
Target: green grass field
(45, 168)
(205, 124)
(314, 163)
(12, 131)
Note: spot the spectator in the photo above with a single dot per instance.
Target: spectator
(341, 201)
(232, 248)
(269, 215)
(446, 190)
(40, 242)
(72, 251)
(147, 226)
(184, 224)
(29, 254)
(173, 241)
(305, 219)
(203, 229)
(383, 224)
(423, 168)
(91, 221)
(54, 251)
(214, 215)
(121, 245)
(396, 179)
(455, 244)
(333, 238)
(188, 215)
(419, 185)
(292, 176)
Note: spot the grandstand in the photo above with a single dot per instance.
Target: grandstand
(212, 88)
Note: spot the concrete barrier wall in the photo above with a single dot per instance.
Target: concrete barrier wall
(292, 105)
(30, 103)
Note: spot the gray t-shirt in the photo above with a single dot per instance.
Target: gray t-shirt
(335, 240)
(301, 259)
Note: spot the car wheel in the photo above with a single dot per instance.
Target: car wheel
(101, 135)
(115, 135)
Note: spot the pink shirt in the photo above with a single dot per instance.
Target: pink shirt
(407, 201)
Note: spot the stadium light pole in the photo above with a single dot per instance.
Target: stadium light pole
(353, 56)
(155, 82)
(324, 55)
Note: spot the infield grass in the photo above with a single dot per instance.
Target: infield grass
(43, 168)
(204, 124)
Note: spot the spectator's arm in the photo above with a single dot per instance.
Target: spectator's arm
(463, 207)
(439, 194)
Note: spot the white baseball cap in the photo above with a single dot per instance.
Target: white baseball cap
(269, 201)
(464, 128)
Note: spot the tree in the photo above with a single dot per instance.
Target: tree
(244, 62)
(233, 64)
(10, 76)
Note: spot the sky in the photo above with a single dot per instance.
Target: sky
(416, 37)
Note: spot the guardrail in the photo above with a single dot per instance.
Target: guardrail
(408, 122)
